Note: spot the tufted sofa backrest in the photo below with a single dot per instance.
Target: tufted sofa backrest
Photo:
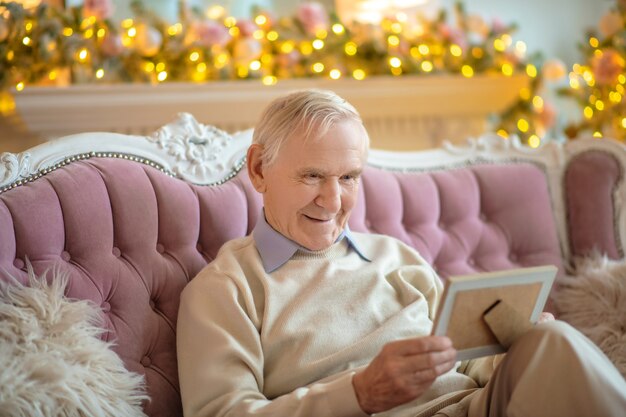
(131, 237)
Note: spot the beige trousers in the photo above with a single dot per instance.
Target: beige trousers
(552, 370)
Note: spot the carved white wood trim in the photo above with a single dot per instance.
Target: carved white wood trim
(184, 148)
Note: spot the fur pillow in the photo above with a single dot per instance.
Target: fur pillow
(52, 362)
(594, 301)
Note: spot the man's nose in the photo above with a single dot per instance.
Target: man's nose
(329, 196)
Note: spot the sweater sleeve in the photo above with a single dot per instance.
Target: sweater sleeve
(220, 360)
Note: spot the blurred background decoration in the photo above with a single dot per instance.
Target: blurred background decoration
(597, 83)
(43, 43)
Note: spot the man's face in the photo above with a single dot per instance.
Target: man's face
(311, 188)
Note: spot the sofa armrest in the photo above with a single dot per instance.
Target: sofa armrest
(594, 192)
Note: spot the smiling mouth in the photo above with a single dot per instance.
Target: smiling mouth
(317, 220)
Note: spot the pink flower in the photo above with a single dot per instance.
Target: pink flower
(553, 70)
(112, 45)
(611, 23)
(476, 24)
(607, 67)
(498, 26)
(288, 60)
(313, 17)
(209, 33)
(101, 9)
(246, 27)
(453, 35)
(547, 116)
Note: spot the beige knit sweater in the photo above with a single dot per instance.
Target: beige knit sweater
(287, 343)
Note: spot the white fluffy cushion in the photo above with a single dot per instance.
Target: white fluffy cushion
(594, 301)
(52, 362)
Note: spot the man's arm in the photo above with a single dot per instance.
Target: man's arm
(221, 363)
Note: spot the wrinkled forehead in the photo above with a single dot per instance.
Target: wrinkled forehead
(316, 131)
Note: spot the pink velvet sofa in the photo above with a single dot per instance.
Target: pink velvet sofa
(133, 219)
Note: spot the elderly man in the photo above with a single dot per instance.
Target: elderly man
(306, 318)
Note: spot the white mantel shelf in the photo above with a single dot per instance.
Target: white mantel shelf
(401, 113)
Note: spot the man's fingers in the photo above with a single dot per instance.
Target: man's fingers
(428, 375)
(431, 359)
(417, 346)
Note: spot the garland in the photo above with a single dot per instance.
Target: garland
(46, 45)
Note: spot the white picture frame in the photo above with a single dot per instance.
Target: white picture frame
(467, 298)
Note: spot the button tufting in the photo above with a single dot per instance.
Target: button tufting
(152, 304)
(117, 252)
(18, 263)
(65, 256)
(145, 361)
(368, 224)
(106, 307)
(483, 217)
(512, 257)
(160, 248)
(199, 247)
(471, 261)
(441, 225)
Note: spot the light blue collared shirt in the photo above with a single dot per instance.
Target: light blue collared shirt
(276, 249)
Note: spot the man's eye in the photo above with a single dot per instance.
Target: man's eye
(348, 178)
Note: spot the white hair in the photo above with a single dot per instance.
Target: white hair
(306, 114)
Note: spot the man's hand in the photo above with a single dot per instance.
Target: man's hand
(402, 371)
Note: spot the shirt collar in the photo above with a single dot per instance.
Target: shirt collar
(276, 249)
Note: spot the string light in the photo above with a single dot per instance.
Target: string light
(393, 40)
(426, 66)
(456, 50)
(269, 80)
(350, 48)
(255, 65)
(318, 67)
(522, 125)
(83, 54)
(338, 29)
(503, 133)
(358, 74)
(395, 62)
(335, 74)
(318, 44)
(534, 141)
(507, 69)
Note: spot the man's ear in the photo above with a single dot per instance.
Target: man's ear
(254, 162)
